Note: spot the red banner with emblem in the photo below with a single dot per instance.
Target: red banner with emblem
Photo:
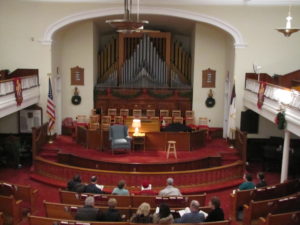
(261, 94)
(18, 90)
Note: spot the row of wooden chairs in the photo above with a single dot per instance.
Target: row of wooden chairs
(149, 113)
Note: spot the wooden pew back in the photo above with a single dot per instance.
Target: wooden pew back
(258, 209)
(78, 199)
(129, 201)
(291, 218)
(38, 220)
(1, 218)
(20, 192)
(11, 208)
(68, 211)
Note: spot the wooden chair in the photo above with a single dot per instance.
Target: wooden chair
(154, 118)
(105, 123)
(163, 113)
(81, 119)
(94, 126)
(189, 121)
(94, 118)
(124, 112)
(111, 112)
(137, 113)
(119, 120)
(178, 119)
(176, 113)
(189, 113)
(167, 119)
(150, 113)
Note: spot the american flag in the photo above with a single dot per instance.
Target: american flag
(50, 108)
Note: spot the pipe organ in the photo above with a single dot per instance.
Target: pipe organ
(148, 69)
(144, 60)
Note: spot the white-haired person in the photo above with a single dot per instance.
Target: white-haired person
(88, 212)
(170, 190)
(142, 214)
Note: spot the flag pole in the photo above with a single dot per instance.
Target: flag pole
(50, 140)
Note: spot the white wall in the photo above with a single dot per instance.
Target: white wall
(210, 51)
(9, 124)
(77, 49)
(23, 23)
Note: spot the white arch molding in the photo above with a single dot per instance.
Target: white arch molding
(237, 36)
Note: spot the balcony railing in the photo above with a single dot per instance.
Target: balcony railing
(7, 86)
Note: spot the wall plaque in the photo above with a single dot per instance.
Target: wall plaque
(208, 78)
(77, 76)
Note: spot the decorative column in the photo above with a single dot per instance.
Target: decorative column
(285, 156)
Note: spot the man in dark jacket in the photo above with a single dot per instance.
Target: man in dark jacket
(88, 212)
(92, 187)
(112, 214)
(194, 216)
(217, 213)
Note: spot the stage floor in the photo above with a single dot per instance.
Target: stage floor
(65, 144)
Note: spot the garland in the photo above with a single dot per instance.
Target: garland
(187, 94)
(280, 120)
(125, 96)
(100, 92)
(160, 95)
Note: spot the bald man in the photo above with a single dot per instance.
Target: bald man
(194, 216)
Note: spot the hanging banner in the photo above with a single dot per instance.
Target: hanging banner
(18, 90)
(261, 94)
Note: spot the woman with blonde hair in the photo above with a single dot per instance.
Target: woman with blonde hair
(142, 214)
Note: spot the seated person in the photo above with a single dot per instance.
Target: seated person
(120, 189)
(88, 212)
(170, 190)
(142, 214)
(261, 182)
(192, 217)
(112, 214)
(247, 184)
(75, 184)
(217, 213)
(92, 187)
(164, 216)
(146, 189)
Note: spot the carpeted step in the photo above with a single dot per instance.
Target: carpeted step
(49, 181)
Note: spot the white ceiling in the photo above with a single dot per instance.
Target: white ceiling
(184, 2)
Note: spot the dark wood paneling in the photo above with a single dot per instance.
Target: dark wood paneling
(79, 161)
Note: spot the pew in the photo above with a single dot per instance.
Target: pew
(11, 209)
(20, 192)
(290, 218)
(239, 198)
(171, 201)
(1, 218)
(258, 209)
(38, 220)
(68, 211)
(130, 201)
(78, 199)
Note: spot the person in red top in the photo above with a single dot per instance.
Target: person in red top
(146, 189)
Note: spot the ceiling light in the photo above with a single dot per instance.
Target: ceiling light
(288, 30)
(128, 24)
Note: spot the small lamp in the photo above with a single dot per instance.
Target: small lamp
(136, 124)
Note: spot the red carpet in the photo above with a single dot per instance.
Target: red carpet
(49, 193)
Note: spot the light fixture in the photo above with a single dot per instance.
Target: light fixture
(128, 24)
(136, 124)
(288, 30)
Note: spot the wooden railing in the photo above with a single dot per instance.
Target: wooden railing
(39, 138)
(7, 86)
(241, 144)
(189, 179)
